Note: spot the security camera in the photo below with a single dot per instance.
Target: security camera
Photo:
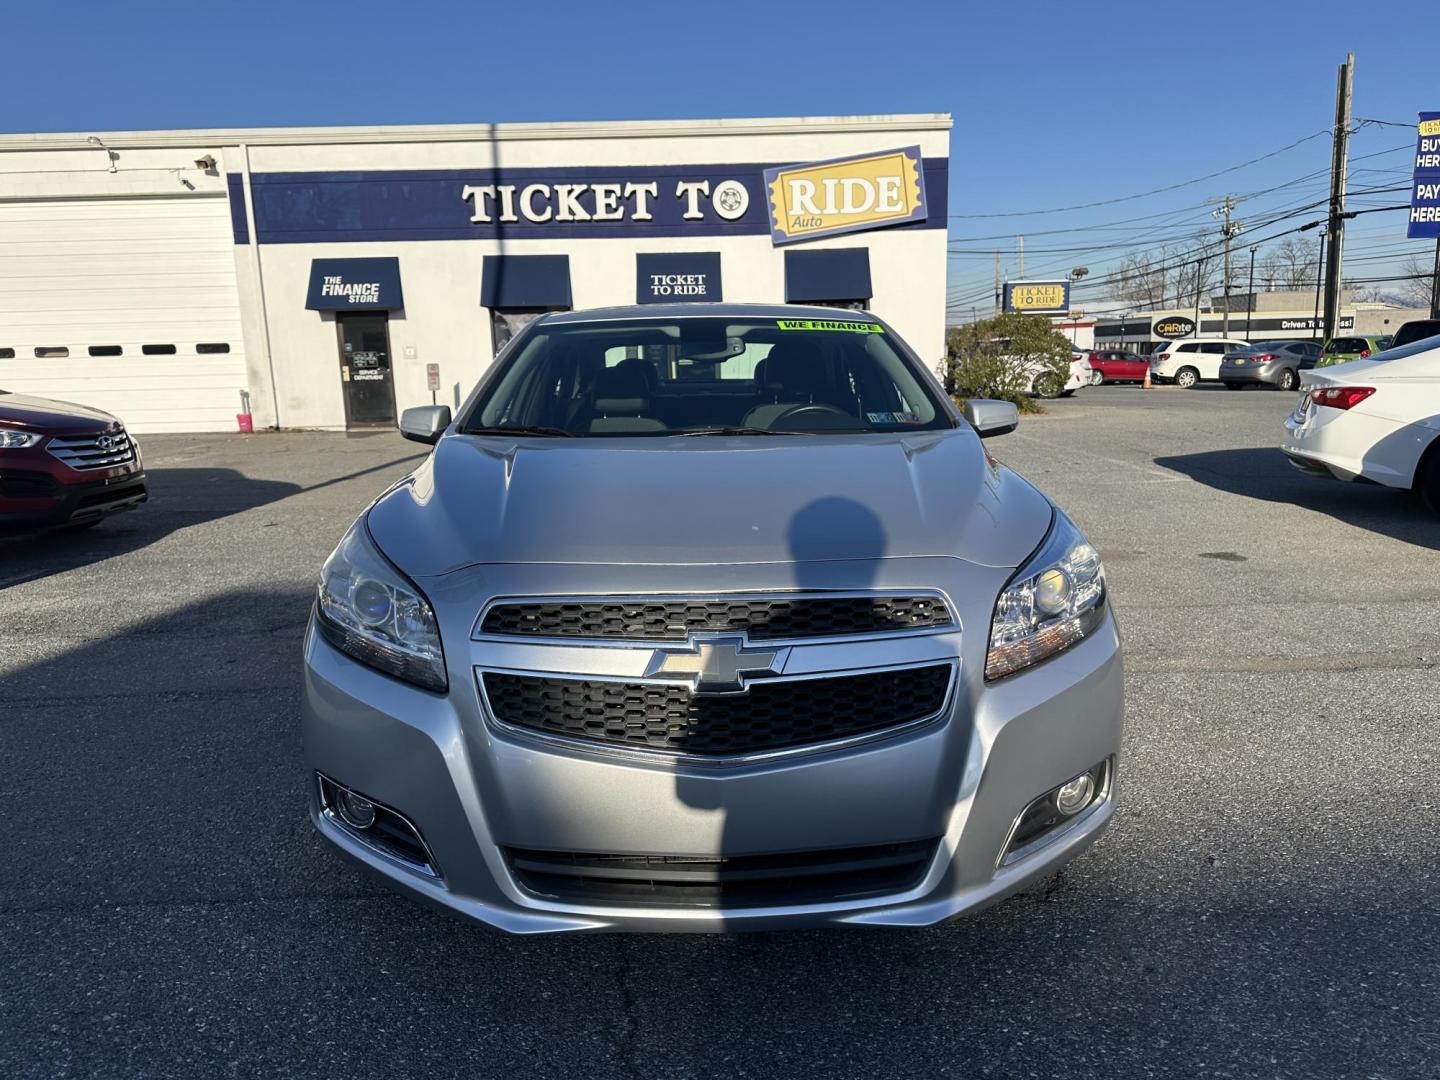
(206, 163)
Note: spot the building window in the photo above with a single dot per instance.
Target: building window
(158, 350)
(47, 352)
(212, 347)
(106, 350)
(7, 354)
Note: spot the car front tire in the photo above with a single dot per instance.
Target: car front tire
(1427, 479)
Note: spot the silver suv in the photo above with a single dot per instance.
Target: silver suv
(711, 617)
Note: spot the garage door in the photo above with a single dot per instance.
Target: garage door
(126, 304)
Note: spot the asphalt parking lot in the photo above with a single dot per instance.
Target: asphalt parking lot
(1265, 905)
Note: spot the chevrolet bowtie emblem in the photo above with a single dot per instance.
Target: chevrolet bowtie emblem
(716, 665)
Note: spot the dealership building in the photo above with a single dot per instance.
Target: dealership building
(331, 277)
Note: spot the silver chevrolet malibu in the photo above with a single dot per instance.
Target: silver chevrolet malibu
(709, 618)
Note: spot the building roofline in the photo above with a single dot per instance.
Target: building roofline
(413, 133)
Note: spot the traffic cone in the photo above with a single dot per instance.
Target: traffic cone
(1146, 384)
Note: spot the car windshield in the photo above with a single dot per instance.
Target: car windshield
(705, 375)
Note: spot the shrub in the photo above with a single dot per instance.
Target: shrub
(1005, 357)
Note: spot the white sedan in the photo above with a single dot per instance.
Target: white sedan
(1375, 420)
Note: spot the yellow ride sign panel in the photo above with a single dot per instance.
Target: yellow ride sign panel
(847, 195)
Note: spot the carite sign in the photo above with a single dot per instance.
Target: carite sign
(1425, 185)
(1177, 326)
(844, 195)
(1038, 297)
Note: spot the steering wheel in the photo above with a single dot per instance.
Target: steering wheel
(816, 410)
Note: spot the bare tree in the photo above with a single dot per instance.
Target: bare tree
(1292, 263)
(1417, 274)
(1142, 279)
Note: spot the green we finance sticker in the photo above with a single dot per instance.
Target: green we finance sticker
(827, 324)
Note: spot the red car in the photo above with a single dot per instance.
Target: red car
(1117, 365)
(64, 465)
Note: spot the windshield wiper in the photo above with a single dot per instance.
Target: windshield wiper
(737, 431)
(522, 429)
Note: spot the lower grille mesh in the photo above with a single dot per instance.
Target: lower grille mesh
(798, 877)
(770, 716)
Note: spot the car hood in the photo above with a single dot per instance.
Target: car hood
(708, 501)
(52, 417)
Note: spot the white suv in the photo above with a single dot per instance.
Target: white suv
(1189, 360)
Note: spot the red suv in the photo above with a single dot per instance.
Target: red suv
(1117, 365)
(64, 464)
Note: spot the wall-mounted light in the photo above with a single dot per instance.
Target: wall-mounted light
(206, 163)
(94, 140)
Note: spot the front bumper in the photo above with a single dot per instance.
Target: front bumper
(474, 790)
(38, 504)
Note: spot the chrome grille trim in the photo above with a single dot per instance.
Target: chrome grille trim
(633, 661)
(86, 452)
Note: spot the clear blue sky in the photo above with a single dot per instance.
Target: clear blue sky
(1072, 103)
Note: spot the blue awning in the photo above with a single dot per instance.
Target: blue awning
(525, 281)
(827, 276)
(336, 284)
(677, 277)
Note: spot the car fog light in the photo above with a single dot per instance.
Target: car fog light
(355, 810)
(1073, 797)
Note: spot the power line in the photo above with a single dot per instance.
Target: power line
(1147, 194)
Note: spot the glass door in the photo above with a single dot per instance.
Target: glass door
(365, 369)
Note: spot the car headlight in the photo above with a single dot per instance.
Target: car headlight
(10, 439)
(1054, 600)
(367, 608)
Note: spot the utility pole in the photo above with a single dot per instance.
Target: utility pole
(997, 282)
(1315, 321)
(1435, 284)
(1339, 167)
(1228, 230)
(1250, 303)
(1022, 258)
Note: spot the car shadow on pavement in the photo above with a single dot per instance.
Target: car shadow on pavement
(179, 498)
(1264, 473)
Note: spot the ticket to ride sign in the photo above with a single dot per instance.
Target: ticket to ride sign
(1038, 297)
(825, 198)
(1425, 184)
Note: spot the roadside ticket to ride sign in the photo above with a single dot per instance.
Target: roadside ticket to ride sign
(1425, 187)
(1038, 297)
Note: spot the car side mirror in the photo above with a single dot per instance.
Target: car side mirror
(425, 424)
(990, 417)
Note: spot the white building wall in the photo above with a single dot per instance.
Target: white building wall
(443, 321)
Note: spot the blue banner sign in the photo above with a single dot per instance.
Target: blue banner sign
(1425, 186)
(547, 202)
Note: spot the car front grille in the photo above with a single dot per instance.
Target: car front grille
(762, 619)
(730, 881)
(771, 715)
(101, 451)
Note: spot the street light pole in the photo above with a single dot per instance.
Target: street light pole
(1250, 303)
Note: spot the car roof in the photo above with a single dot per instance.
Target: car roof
(681, 311)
